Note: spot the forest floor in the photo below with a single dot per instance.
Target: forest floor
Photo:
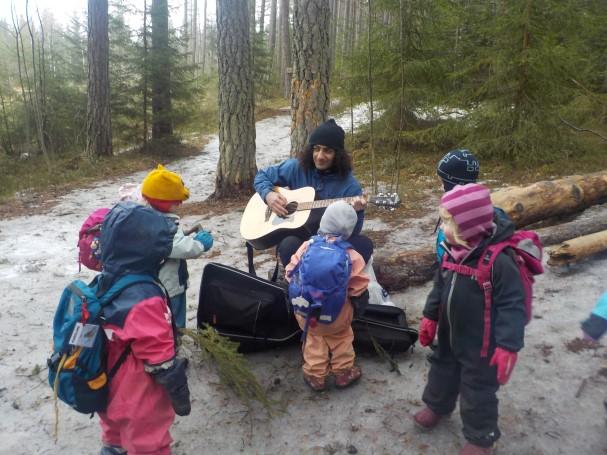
(553, 403)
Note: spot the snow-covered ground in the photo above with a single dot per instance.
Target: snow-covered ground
(543, 410)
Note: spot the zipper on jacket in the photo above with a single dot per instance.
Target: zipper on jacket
(449, 309)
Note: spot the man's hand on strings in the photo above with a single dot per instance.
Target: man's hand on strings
(359, 203)
(277, 203)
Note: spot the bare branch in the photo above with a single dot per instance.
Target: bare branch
(582, 130)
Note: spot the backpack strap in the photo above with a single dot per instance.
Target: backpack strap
(482, 275)
(119, 362)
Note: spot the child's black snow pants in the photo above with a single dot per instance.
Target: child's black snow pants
(476, 384)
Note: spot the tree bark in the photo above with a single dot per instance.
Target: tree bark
(236, 168)
(285, 49)
(406, 268)
(578, 248)
(98, 119)
(311, 68)
(160, 71)
(589, 222)
(545, 199)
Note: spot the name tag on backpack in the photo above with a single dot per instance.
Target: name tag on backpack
(84, 335)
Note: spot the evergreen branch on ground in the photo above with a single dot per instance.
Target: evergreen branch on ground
(231, 366)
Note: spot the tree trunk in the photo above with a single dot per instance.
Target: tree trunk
(285, 49)
(273, 31)
(160, 71)
(577, 249)
(186, 35)
(194, 31)
(145, 75)
(98, 119)
(262, 16)
(542, 200)
(589, 222)
(204, 38)
(252, 8)
(310, 86)
(236, 168)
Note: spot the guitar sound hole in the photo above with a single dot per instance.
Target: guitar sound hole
(292, 207)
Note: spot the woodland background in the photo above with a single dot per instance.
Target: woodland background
(520, 82)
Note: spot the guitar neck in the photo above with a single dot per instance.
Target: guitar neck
(322, 203)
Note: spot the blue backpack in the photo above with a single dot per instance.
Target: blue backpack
(78, 365)
(319, 282)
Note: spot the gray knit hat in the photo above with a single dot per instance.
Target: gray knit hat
(339, 219)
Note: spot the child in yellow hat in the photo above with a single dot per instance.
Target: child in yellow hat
(164, 191)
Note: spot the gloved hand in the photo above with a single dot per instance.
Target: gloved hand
(205, 238)
(175, 381)
(427, 331)
(505, 361)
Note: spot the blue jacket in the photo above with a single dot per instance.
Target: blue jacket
(327, 185)
(596, 324)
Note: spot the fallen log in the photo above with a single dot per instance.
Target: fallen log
(578, 248)
(413, 267)
(589, 222)
(545, 199)
(406, 268)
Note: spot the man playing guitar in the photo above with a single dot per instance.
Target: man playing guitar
(326, 166)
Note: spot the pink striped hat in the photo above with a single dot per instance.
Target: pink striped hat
(471, 208)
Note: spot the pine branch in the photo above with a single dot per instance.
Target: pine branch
(231, 366)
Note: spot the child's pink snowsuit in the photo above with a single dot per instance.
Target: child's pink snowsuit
(139, 412)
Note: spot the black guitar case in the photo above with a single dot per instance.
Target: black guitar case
(245, 308)
(387, 325)
(257, 314)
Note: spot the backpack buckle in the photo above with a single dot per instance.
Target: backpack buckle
(486, 286)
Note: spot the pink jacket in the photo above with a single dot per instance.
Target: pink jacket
(139, 413)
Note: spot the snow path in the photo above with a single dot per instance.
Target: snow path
(539, 411)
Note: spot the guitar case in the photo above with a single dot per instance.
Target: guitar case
(386, 325)
(257, 314)
(245, 308)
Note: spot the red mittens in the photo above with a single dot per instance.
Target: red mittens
(505, 361)
(427, 331)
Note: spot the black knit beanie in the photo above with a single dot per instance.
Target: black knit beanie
(329, 134)
(458, 167)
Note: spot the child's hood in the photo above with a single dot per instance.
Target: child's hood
(134, 239)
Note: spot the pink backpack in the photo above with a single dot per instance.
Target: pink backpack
(527, 250)
(88, 240)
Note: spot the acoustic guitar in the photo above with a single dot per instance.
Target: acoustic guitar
(263, 229)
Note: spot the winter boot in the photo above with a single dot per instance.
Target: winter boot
(112, 450)
(348, 377)
(426, 419)
(471, 449)
(316, 384)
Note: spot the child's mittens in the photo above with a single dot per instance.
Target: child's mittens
(505, 361)
(205, 238)
(427, 331)
(175, 382)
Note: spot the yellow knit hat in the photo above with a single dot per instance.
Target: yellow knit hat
(164, 185)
